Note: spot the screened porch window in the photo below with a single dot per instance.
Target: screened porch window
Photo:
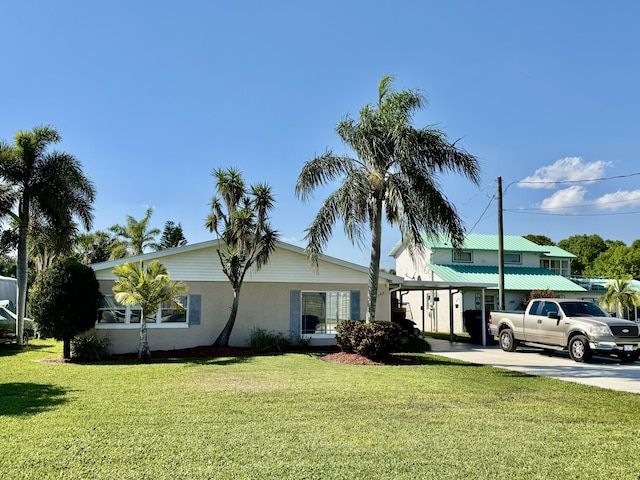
(321, 311)
(112, 313)
(462, 257)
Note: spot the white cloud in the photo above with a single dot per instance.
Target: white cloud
(619, 199)
(561, 200)
(573, 200)
(570, 169)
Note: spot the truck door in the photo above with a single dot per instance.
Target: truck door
(531, 321)
(550, 329)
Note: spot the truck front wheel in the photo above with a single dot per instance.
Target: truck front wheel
(579, 349)
(507, 341)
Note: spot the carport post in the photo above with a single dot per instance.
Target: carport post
(450, 315)
(484, 325)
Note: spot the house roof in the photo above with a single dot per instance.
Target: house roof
(214, 243)
(479, 242)
(515, 278)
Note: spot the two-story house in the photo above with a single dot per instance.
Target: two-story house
(527, 267)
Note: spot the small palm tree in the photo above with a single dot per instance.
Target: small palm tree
(135, 236)
(147, 286)
(394, 177)
(49, 187)
(240, 218)
(620, 295)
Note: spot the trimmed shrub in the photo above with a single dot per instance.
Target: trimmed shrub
(87, 347)
(372, 340)
(263, 341)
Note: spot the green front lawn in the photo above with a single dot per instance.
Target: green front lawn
(293, 416)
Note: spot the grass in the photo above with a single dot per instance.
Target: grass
(293, 416)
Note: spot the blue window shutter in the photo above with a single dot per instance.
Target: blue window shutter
(355, 305)
(295, 313)
(195, 309)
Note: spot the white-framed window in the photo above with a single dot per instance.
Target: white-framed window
(512, 258)
(112, 314)
(462, 256)
(321, 311)
(560, 267)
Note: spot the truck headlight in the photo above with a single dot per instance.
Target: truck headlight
(600, 330)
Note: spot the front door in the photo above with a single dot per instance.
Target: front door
(550, 330)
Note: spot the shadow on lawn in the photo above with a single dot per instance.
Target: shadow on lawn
(29, 398)
(10, 349)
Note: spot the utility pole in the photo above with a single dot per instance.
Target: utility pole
(500, 249)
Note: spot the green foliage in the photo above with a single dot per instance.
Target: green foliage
(64, 301)
(88, 347)
(43, 188)
(620, 296)
(539, 239)
(172, 236)
(619, 261)
(134, 237)
(239, 216)
(147, 286)
(586, 248)
(372, 340)
(262, 341)
(394, 177)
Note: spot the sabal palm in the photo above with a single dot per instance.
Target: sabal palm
(147, 286)
(394, 176)
(135, 235)
(48, 186)
(620, 295)
(240, 218)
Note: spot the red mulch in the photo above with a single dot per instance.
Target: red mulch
(355, 359)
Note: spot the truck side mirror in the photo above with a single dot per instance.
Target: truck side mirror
(554, 315)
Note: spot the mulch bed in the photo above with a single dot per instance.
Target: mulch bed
(355, 359)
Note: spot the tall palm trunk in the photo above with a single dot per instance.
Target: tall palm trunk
(144, 353)
(374, 266)
(223, 338)
(21, 273)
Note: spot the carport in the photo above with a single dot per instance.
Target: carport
(451, 287)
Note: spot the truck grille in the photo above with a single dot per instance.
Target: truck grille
(624, 331)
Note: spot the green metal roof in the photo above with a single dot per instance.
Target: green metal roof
(515, 278)
(512, 243)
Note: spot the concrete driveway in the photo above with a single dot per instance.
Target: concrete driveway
(605, 372)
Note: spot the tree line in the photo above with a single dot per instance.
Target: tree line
(597, 257)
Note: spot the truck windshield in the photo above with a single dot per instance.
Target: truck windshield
(574, 309)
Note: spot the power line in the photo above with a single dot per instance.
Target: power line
(548, 182)
(570, 214)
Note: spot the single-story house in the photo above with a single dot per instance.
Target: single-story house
(287, 295)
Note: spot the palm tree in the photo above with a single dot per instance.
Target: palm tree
(244, 229)
(37, 184)
(620, 295)
(94, 247)
(135, 235)
(394, 175)
(147, 286)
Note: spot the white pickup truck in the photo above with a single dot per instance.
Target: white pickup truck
(579, 326)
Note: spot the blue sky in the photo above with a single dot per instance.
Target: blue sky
(152, 96)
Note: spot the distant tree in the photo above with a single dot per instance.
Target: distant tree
(172, 236)
(64, 301)
(618, 261)
(46, 244)
(147, 286)
(37, 184)
(7, 265)
(394, 177)
(95, 247)
(620, 296)
(539, 239)
(586, 248)
(240, 218)
(135, 236)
